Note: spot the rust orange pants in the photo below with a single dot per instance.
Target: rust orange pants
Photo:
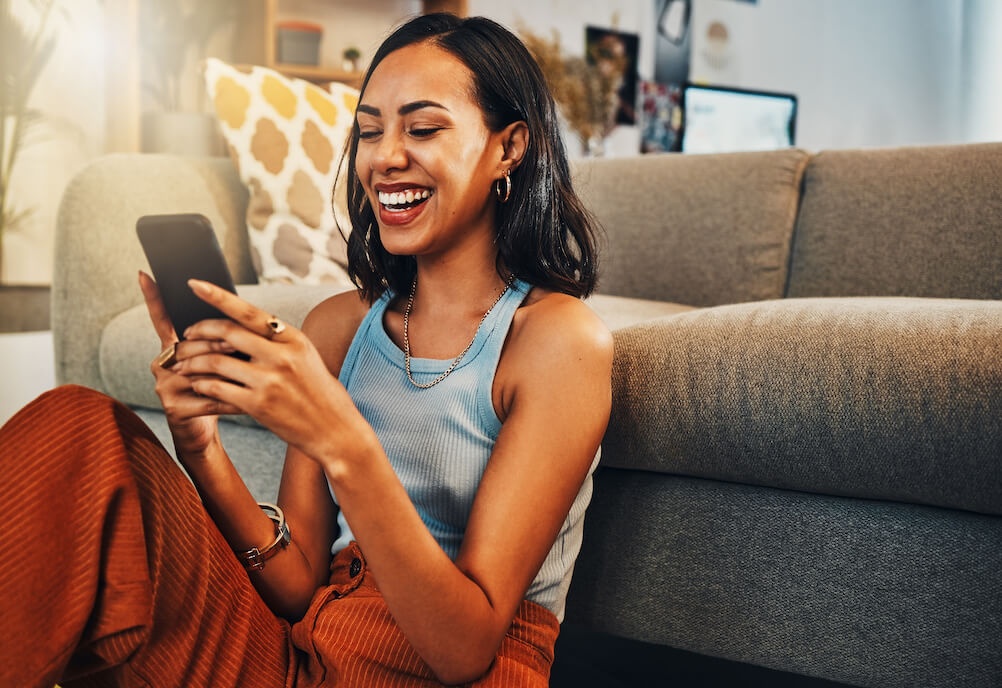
(112, 574)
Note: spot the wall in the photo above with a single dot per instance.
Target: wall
(866, 73)
(982, 71)
(70, 93)
(359, 23)
(894, 72)
(569, 18)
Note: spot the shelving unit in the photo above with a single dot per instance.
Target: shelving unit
(257, 32)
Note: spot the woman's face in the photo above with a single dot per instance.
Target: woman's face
(425, 156)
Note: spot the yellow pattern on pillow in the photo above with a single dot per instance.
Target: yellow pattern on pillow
(286, 137)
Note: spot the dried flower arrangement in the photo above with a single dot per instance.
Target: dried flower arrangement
(585, 89)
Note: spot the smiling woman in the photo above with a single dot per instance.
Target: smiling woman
(442, 423)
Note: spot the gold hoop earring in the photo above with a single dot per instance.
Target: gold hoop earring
(503, 196)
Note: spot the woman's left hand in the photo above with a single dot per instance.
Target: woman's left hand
(285, 386)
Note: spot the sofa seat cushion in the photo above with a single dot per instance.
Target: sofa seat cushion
(129, 343)
(618, 312)
(884, 398)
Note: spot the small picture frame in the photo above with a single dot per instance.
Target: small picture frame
(617, 51)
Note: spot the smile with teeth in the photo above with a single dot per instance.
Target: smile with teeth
(402, 200)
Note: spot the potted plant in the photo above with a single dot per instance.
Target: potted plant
(351, 57)
(173, 40)
(585, 89)
(23, 56)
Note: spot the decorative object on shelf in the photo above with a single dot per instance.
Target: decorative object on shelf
(672, 57)
(673, 23)
(24, 55)
(615, 55)
(298, 42)
(172, 39)
(717, 52)
(660, 117)
(351, 57)
(586, 92)
(286, 137)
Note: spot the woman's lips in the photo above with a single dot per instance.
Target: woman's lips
(402, 216)
(401, 203)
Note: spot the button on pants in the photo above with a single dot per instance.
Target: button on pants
(113, 574)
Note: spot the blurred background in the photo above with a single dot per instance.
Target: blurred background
(85, 78)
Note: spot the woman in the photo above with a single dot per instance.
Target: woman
(444, 420)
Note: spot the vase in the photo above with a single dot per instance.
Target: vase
(594, 147)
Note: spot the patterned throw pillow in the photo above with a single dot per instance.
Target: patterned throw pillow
(286, 137)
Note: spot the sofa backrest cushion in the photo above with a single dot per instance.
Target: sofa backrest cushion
(901, 222)
(702, 230)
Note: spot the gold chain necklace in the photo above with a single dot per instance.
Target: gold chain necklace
(452, 366)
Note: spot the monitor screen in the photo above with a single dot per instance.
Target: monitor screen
(725, 120)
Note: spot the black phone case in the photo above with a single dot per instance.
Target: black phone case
(179, 248)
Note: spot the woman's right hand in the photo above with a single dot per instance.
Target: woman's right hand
(193, 419)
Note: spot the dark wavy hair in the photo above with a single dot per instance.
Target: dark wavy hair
(545, 236)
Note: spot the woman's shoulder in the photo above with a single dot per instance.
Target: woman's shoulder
(547, 310)
(550, 323)
(556, 346)
(332, 325)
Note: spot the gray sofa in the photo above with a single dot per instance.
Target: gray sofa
(803, 469)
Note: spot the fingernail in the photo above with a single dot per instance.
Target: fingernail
(186, 333)
(198, 286)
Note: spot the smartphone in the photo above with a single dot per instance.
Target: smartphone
(179, 248)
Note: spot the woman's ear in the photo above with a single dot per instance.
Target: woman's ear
(515, 140)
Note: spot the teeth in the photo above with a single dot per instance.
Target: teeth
(402, 197)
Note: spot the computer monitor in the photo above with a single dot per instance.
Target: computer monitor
(724, 120)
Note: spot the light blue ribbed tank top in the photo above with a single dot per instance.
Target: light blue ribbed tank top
(439, 439)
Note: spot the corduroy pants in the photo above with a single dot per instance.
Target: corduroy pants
(113, 574)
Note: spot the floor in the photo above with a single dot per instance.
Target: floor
(26, 369)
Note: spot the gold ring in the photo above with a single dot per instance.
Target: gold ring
(168, 357)
(275, 326)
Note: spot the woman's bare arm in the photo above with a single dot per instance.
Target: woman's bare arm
(556, 398)
(290, 578)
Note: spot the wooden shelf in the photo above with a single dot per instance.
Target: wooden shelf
(257, 31)
(318, 75)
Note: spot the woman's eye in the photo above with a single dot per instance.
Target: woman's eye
(424, 132)
(370, 134)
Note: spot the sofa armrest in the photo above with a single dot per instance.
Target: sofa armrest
(97, 253)
(884, 398)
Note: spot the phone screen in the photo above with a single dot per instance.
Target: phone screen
(179, 248)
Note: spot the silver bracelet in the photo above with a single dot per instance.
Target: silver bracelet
(254, 558)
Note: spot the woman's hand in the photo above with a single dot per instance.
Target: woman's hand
(286, 386)
(192, 418)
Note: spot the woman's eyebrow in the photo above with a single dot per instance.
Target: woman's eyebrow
(405, 109)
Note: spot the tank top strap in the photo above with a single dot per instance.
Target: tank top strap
(373, 318)
(497, 324)
(495, 336)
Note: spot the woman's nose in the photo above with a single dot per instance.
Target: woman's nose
(390, 153)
